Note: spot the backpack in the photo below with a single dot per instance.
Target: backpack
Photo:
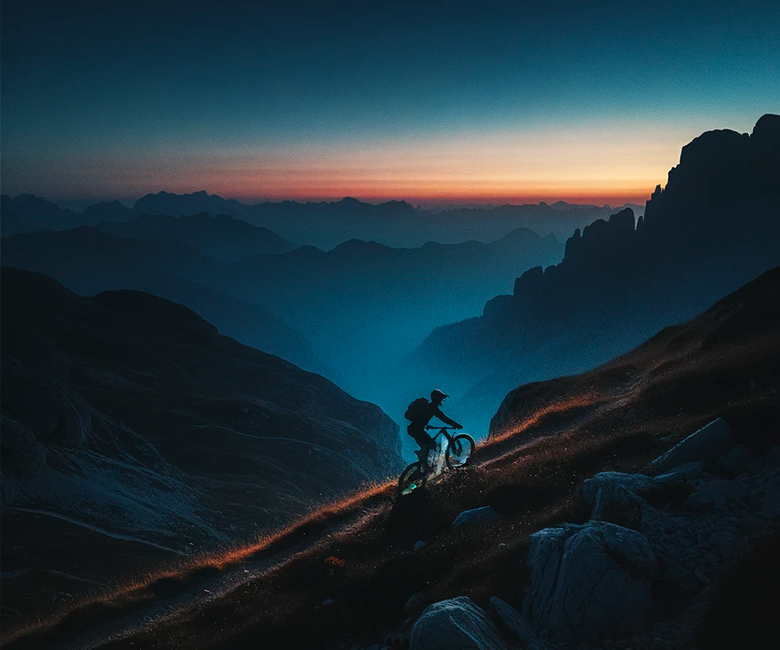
(417, 411)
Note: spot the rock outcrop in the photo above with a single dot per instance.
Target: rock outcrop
(713, 228)
(455, 623)
(667, 535)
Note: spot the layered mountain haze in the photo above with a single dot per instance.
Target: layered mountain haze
(393, 223)
(222, 237)
(714, 226)
(351, 312)
(364, 305)
(324, 224)
(131, 425)
(88, 261)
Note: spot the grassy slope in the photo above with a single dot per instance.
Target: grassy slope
(356, 584)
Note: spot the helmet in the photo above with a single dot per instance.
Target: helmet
(438, 395)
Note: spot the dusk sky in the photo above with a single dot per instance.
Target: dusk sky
(472, 101)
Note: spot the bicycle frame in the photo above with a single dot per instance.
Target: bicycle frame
(442, 430)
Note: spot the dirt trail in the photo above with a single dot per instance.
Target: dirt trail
(172, 595)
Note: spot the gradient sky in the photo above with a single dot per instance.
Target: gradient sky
(465, 101)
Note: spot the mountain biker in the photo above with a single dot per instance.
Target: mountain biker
(420, 412)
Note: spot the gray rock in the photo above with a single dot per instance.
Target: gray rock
(453, 624)
(476, 516)
(610, 492)
(513, 620)
(418, 545)
(589, 580)
(707, 444)
(737, 461)
(685, 472)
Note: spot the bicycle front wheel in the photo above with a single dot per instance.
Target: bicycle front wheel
(459, 451)
(412, 477)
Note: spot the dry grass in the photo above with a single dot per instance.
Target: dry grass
(361, 578)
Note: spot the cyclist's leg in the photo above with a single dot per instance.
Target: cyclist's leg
(423, 440)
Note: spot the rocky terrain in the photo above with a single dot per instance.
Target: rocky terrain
(643, 570)
(135, 435)
(633, 506)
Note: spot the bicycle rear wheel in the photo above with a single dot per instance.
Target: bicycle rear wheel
(459, 451)
(412, 477)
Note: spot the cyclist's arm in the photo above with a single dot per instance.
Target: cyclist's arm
(447, 420)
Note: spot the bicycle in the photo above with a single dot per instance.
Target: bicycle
(456, 455)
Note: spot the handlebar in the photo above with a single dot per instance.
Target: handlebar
(428, 426)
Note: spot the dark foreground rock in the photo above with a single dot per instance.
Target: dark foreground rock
(131, 425)
(642, 571)
(455, 623)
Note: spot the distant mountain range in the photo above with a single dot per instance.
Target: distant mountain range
(88, 261)
(348, 313)
(133, 428)
(222, 237)
(364, 305)
(715, 226)
(324, 224)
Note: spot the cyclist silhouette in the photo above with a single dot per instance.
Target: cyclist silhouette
(420, 412)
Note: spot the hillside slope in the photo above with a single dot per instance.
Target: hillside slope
(369, 581)
(131, 425)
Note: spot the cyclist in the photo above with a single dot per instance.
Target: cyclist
(419, 413)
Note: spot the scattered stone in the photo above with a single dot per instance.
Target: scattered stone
(418, 545)
(706, 444)
(476, 516)
(455, 623)
(737, 461)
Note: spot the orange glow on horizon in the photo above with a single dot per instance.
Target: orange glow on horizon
(596, 164)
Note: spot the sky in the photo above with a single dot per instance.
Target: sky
(425, 101)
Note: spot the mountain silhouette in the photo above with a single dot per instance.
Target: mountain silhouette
(713, 227)
(221, 237)
(88, 261)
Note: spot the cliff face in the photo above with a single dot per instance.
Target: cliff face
(130, 421)
(714, 227)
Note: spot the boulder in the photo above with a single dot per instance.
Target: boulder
(456, 623)
(513, 620)
(707, 445)
(610, 492)
(686, 472)
(590, 580)
(737, 461)
(476, 516)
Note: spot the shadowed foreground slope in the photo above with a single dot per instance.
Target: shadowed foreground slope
(366, 582)
(135, 435)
